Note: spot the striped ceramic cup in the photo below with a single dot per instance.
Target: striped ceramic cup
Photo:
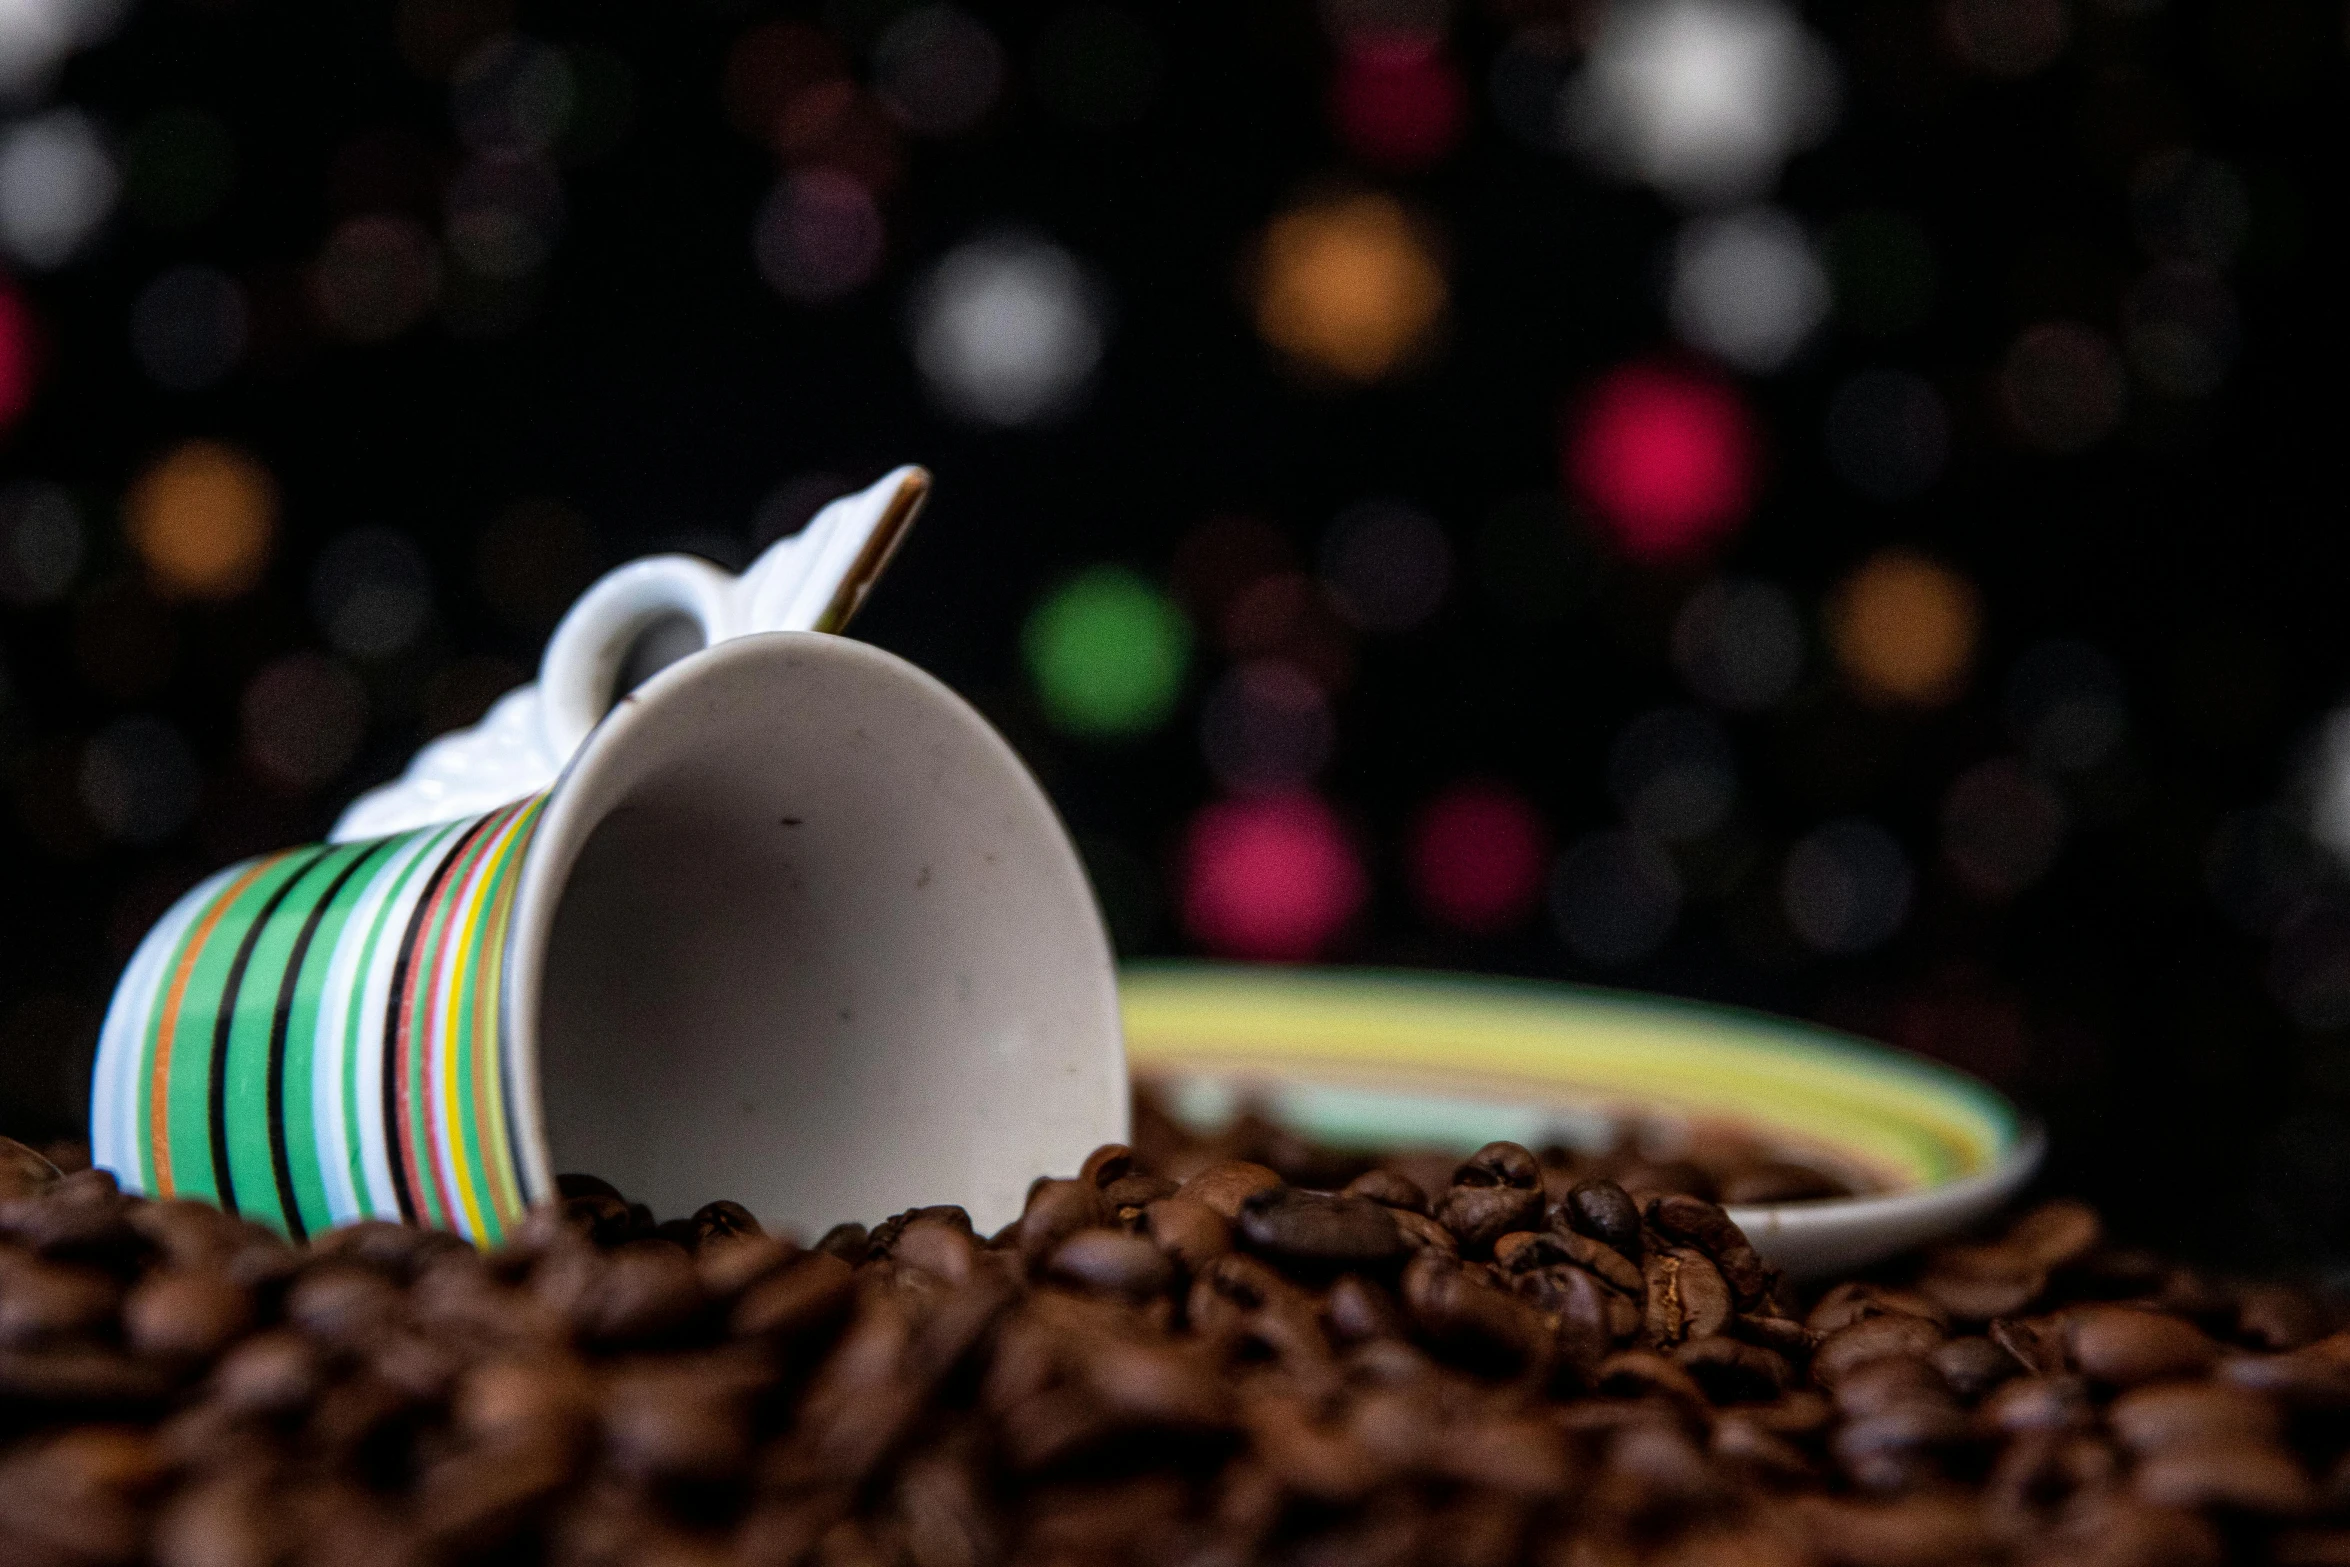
(794, 927)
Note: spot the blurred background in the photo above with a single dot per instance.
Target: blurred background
(1838, 509)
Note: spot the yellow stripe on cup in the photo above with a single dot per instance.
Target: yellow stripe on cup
(1359, 1057)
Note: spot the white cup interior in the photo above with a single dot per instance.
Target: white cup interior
(800, 930)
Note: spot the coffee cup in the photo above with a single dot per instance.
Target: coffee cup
(787, 922)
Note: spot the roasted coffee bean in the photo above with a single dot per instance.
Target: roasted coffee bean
(185, 1314)
(1973, 1365)
(1478, 1216)
(1225, 1186)
(1191, 1233)
(1113, 1261)
(1318, 1229)
(1687, 1297)
(1109, 1379)
(848, 1242)
(1057, 1210)
(1705, 1227)
(1109, 1163)
(1872, 1338)
(1389, 1189)
(23, 1171)
(1606, 1212)
(2126, 1346)
(1138, 1191)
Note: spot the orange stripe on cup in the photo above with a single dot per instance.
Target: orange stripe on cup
(167, 1022)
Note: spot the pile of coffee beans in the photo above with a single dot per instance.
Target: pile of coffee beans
(1722, 1163)
(1211, 1371)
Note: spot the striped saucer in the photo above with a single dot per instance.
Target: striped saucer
(1367, 1058)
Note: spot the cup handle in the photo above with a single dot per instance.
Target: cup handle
(580, 672)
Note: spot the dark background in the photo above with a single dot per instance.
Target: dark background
(2170, 991)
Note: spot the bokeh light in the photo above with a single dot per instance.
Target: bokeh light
(376, 276)
(1476, 854)
(302, 719)
(203, 520)
(1747, 288)
(505, 213)
(1349, 287)
(42, 543)
(1107, 653)
(1704, 99)
(1673, 773)
(371, 593)
(1888, 434)
(37, 35)
(1271, 878)
(1614, 897)
(2002, 826)
(57, 184)
(1008, 328)
(1098, 65)
(2180, 328)
(818, 237)
(1397, 100)
(2006, 38)
(939, 69)
(1846, 886)
(1386, 564)
(1266, 729)
(19, 356)
(1904, 629)
(2190, 207)
(139, 781)
(513, 93)
(188, 327)
(1666, 459)
(2061, 384)
(1739, 643)
(2066, 705)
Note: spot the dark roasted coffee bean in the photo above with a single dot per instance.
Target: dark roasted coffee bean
(1705, 1227)
(1851, 1302)
(1191, 1233)
(2248, 1477)
(1421, 1233)
(24, 1172)
(1489, 1328)
(2125, 1346)
(804, 1297)
(1057, 1210)
(1112, 1261)
(1478, 1216)
(1389, 1189)
(1225, 1186)
(848, 1242)
(185, 1314)
(1606, 1213)
(1138, 1191)
(722, 1221)
(2274, 1317)
(2194, 1414)
(1687, 1297)
(1734, 1373)
(1780, 1335)
(1500, 1164)
(730, 1264)
(1889, 1382)
(1357, 1309)
(1973, 1365)
(2056, 1234)
(273, 1373)
(2032, 1403)
(1109, 1163)
(1318, 1229)
(43, 1301)
(1872, 1338)
(344, 1306)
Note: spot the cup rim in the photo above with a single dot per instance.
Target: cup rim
(572, 814)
